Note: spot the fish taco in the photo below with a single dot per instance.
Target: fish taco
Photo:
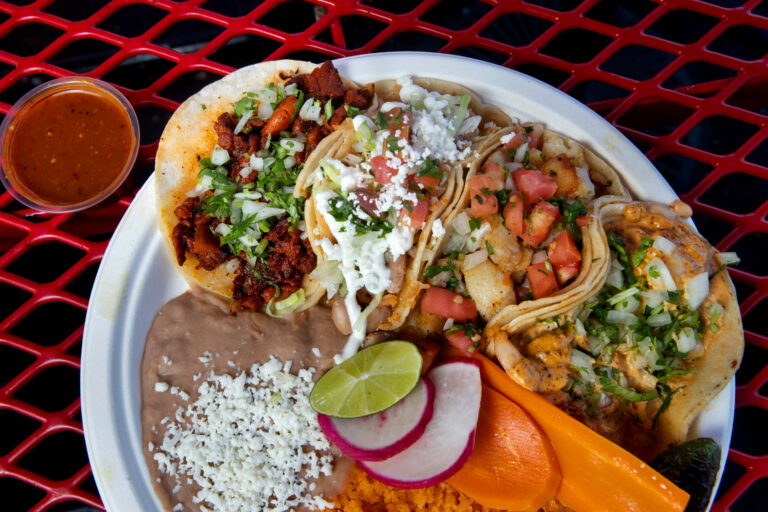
(640, 357)
(225, 171)
(520, 240)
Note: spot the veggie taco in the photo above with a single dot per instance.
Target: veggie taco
(225, 171)
(380, 191)
(640, 357)
(520, 239)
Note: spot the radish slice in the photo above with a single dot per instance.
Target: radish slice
(448, 439)
(382, 435)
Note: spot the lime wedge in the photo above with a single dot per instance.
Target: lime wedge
(372, 380)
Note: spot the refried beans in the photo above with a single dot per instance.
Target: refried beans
(194, 335)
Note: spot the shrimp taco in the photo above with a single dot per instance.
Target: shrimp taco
(649, 349)
(520, 240)
(225, 171)
(380, 191)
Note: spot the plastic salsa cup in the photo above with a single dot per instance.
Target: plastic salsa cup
(68, 144)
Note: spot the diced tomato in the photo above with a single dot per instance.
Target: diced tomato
(533, 185)
(382, 173)
(515, 142)
(513, 215)
(565, 257)
(429, 350)
(583, 220)
(565, 273)
(563, 251)
(481, 203)
(429, 184)
(398, 120)
(536, 227)
(541, 279)
(534, 132)
(446, 304)
(417, 213)
(497, 174)
(461, 341)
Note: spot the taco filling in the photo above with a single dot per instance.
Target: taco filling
(617, 361)
(385, 192)
(243, 213)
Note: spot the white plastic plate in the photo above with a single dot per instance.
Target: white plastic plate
(138, 275)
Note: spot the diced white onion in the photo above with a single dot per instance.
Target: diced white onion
(696, 290)
(265, 110)
(205, 182)
(256, 163)
(292, 90)
(456, 242)
(660, 319)
(729, 258)
(615, 276)
(289, 162)
(293, 145)
(685, 339)
(461, 224)
(260, 211)
(245, 171)
(475, 241)
(520, 153)
(441, 279)
(663, 245)
(248, 194)
(649, 353)
(448, 324)
(653, 298)
(310, 112)
(469, 125)
(637, 360)
(584, 363)
(268, 95)
(219, 155)
(360, 119)
(248, 240)
(232, 265)
(620, 317)
(474, 259)
(223, 229)
(623, 295)
(628, 305)
(664, 281)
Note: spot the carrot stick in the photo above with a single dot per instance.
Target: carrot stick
(598, 475)
(513, 465)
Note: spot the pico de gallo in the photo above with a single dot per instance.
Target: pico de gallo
(519, 238)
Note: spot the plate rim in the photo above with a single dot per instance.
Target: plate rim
(96, 387)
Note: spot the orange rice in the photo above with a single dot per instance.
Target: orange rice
(364, 494)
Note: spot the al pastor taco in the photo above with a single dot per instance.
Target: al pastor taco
(380, 191)
(520, 239)
(225, 171)
(648, 350)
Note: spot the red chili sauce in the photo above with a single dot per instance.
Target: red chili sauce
(69, 146)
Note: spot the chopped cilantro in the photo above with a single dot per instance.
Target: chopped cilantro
(343, 209)
(639, 254)
(392, 144)
(489, 248)
(381, 121)
(431, 168)
(474, 223)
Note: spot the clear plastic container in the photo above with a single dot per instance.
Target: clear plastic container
(15, 173)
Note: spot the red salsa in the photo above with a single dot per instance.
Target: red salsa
(68, 146)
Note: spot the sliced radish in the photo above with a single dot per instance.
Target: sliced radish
(382, 435)
(449, 437)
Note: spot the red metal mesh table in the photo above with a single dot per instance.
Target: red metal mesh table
(687, 81)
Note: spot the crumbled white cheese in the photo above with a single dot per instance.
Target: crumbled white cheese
(167, 361)
(232, 442)
(178, 508)
(316, 351)
(161, 387)
(437, 228)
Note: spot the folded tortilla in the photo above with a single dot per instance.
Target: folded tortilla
(339, 144)
(710, 366)
(189, 137)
